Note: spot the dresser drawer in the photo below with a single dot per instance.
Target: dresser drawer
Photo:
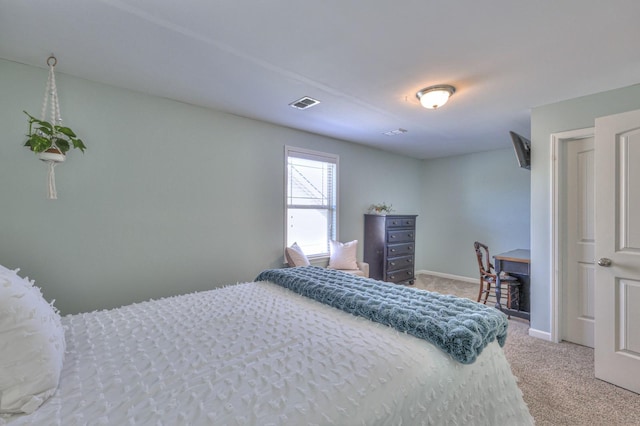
(400, 249)
(397, 263)
(400, 276)
(398, 222)
(401, 236)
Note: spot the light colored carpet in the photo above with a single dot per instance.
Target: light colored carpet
(556, 380)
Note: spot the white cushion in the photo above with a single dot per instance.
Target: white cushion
(32, 345)
(343, 255)
(295, 256)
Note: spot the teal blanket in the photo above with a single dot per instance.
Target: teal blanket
(460, 327)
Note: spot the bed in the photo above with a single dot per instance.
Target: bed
(262, 353)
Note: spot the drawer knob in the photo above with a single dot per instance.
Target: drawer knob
(393, 236)
(393, 263)
(411, 235)
(392, 250)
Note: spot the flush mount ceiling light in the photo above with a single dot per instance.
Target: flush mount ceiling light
(434, 97)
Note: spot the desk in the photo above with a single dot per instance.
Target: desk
(518, 264)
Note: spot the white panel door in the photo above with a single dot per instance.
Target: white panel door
(578, 289)
(617, 289)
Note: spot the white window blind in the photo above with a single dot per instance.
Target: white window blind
(311, 200)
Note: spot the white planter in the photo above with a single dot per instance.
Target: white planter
(56, 157)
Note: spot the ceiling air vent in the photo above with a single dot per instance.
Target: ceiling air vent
(304, 103)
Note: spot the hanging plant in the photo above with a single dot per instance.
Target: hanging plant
(44, 135)
(50, 139)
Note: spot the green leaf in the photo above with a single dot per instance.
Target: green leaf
(31, 117)
(67, 131)
(62, 144)
(46, 130)
(77, 143)
(39, 143)
(43, 124)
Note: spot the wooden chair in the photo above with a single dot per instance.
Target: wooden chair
(509, 285)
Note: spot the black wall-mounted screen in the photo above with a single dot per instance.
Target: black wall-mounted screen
(522, 147)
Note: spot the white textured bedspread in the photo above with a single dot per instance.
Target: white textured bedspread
(258, 354)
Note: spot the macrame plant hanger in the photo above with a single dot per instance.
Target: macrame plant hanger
(53, 155)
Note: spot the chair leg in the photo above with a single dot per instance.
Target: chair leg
(481, 290)
(487, 292)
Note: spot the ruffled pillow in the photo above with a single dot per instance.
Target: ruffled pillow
(32, 345)
(343, 255)
(295, 256)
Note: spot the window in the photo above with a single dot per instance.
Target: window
(310, 200)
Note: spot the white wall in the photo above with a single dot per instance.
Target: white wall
(573, 114)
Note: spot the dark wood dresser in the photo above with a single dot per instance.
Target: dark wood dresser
(389, 247)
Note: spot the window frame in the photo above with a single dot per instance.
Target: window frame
(291, 151)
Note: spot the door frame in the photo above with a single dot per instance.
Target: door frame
(558, 224)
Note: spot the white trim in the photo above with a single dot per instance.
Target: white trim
(556, 259)
(540, 335)
(309, 154)
(449, 276)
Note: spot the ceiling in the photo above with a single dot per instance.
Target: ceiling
(364, 60)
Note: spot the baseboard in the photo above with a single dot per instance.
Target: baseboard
(538, 334)
(449, 276)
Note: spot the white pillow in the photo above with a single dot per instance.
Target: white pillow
(32, 345)
(295, 256)
(343, 255)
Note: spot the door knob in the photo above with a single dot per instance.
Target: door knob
(604, 262)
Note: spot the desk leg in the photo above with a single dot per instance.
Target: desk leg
(498, 269)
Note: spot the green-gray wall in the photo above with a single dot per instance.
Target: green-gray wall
(172, 198)
(168, 198)
(476, 197)
(573, 114)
